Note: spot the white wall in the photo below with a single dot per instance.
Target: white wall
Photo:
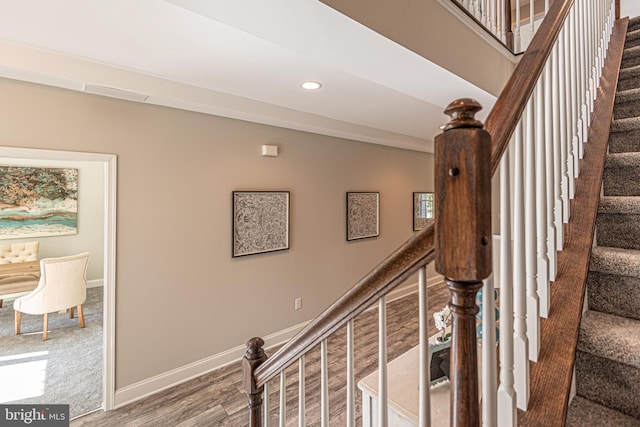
(629, 8)
(90, 236)
(181, 297)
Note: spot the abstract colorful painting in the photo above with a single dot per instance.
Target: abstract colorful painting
(38, 201)
(260, 222)
(362, 215)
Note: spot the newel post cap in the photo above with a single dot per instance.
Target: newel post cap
(462, 112)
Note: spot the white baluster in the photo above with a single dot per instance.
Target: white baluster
(532, 17)
(541, 200)
(507, 414)
(562, 108)
(485, 14)
(324, 385)
(549, 169)
(492, 16)
(283, 400)
(301, 389)
(520, 340)
(351, 383)
(575, 106)
(489, 362)
(571, 106)
(383, 412)
(265, 406)
(558, 205)
(517, 40)
(593, 80)
(533, 303)
(502, 30)
(424, 402)
(584, 109)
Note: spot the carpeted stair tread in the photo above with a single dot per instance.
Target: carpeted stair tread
(617, 261)
(619, 205)
(631, 57)
(624, 136)
(628, 78)
(627, 124)
(583, 412)
(633, 35)
(631, 52)
(629, 95)
(626, 108)
(613, 282)
(607, 362)
(633, 38)
(629, 72)
(609, 383)
(623, 160)
(621, 173)
(618, 222)
(611, 337)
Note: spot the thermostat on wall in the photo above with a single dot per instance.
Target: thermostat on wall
(270, 150)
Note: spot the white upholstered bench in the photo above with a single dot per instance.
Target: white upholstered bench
(21, 271)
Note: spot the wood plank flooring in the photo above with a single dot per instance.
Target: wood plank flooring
(217, 398)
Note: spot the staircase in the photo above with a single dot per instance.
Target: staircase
(607, 362)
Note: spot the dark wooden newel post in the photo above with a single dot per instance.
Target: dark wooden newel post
(463, 243)
(255, 357)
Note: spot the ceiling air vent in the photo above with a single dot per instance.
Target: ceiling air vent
(115, 93)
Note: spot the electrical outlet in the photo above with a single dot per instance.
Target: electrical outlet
(298, 303)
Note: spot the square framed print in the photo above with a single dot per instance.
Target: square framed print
(260, 222)
(363, 215)
(422, 209)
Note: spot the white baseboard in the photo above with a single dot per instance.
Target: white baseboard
(177, 376)
(96, 283)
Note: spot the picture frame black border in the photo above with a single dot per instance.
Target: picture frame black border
(347, 229)
(413, 209)
(233, 221)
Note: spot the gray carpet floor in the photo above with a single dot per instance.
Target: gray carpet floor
(65, 369)
(607, 362)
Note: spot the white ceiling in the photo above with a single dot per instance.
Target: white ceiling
(242, 59)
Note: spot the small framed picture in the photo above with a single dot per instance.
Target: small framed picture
(363, 215)
(260, 222)
(422, 209)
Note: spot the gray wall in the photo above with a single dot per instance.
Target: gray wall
(427, 28)
(90, 236)
(180, 295)
(629, 8)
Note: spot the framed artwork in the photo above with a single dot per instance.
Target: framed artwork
(36, 202)
(422, 209)
(363, 215)
(260, 222)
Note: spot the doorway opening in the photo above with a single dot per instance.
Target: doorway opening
(106, 164)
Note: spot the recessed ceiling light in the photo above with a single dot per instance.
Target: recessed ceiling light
(311, 85)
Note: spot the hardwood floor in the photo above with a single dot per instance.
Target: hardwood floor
(217, 398)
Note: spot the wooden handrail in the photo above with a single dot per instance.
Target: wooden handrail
(506, 112)
(395, 269)
(406, 260)
(419, 249)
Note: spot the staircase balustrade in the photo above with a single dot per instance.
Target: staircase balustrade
(545, 112)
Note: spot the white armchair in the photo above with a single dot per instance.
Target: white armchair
(62, 285)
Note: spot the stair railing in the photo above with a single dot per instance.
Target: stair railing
(545, 108)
